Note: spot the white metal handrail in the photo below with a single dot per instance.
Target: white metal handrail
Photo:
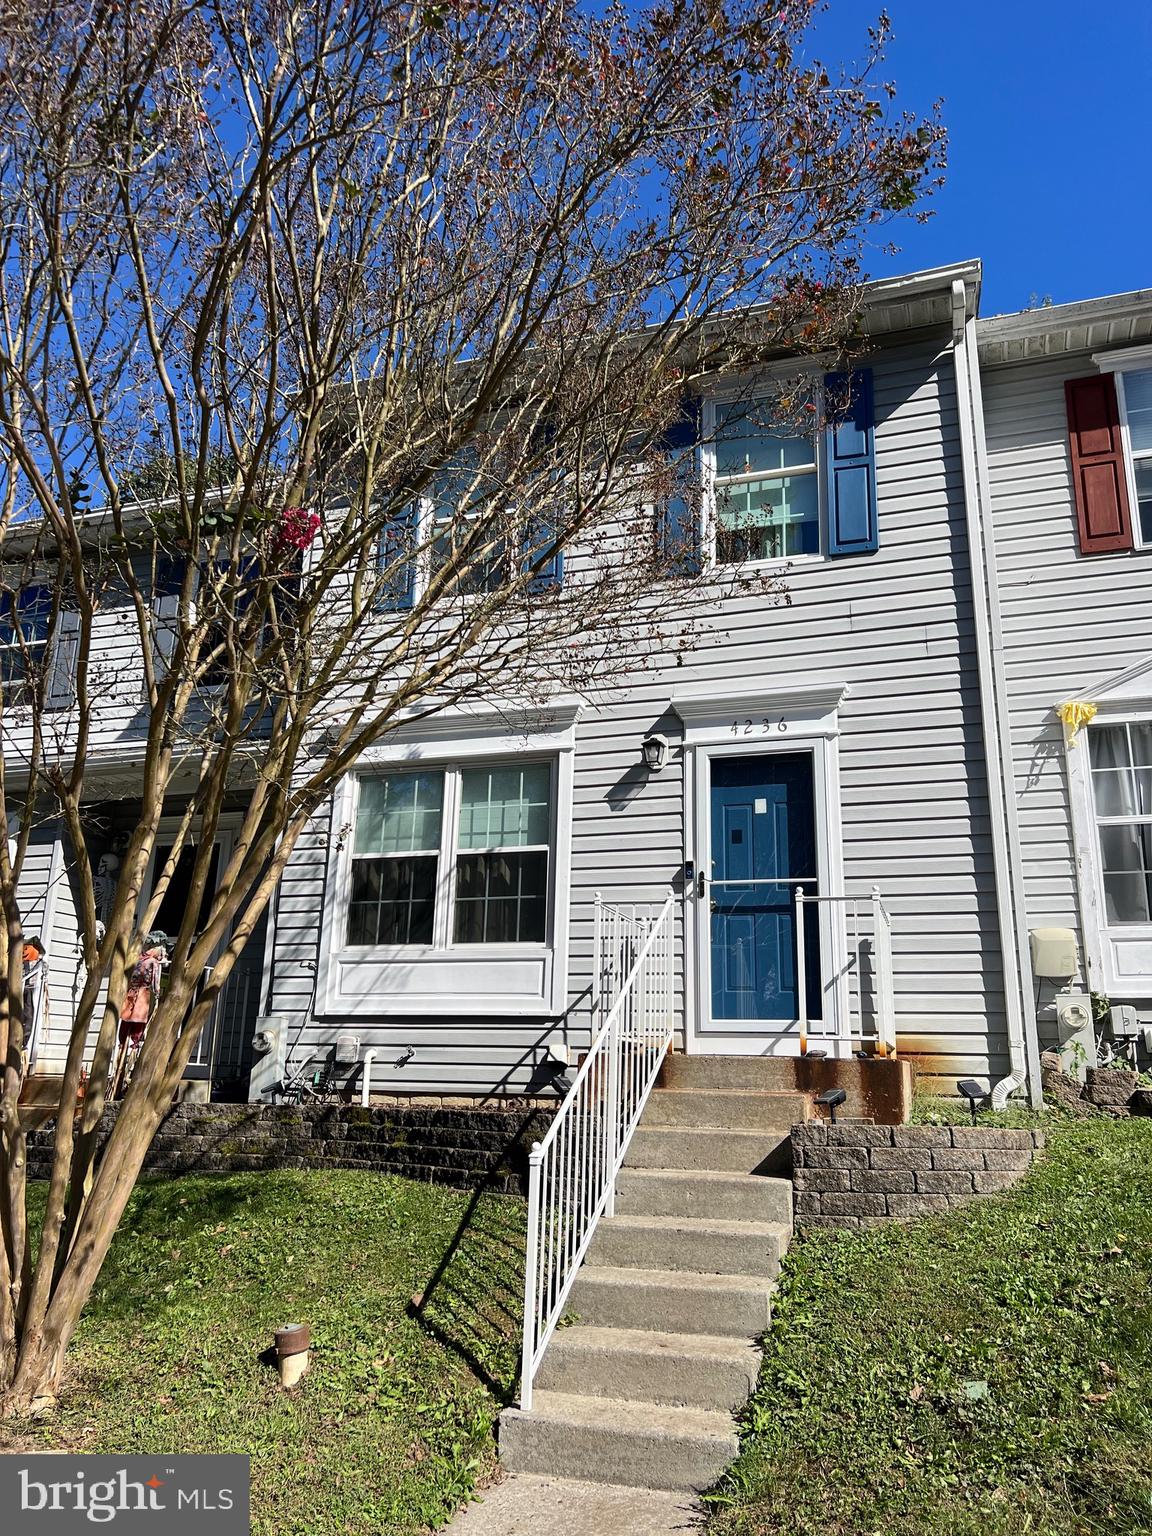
(572, 1171)
(618, 937)
(883, 1031)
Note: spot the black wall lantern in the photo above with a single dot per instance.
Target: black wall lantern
(654, 752)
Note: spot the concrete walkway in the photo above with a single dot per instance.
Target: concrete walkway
(523, 1505)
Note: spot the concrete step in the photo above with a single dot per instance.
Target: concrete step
(610, 1440)
(729, 1110)
(681, 1369)
(703, 1195)
(721, 1306)
(708, 1147)
(687, 1243)
(760, 1074)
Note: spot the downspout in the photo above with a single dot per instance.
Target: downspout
(1008, 769)
(1019, 1012)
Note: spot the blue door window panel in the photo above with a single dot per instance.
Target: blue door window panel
(763, 830)
(850, 452)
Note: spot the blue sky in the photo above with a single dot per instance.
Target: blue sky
(1047, 104)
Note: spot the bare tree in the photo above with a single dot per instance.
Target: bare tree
(328, 330)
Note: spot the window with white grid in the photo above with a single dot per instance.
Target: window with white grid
(452, 856)
(1121, 765)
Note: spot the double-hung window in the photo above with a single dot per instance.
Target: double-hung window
(767, 487)
(1135, 390)
(454, 856)
(395, 858)
(459, 505)
(1121, 766)
(25, 617)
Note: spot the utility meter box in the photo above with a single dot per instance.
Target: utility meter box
(346, 1052)
(1075, 1032)
(269, 1048)
(1053, 953)
(1125, 1024)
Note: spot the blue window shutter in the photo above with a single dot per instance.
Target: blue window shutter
(678, 532)
(541, 535)
(398, 539)
(851, 459)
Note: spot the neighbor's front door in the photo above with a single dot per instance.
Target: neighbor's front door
(169, 918)
(762, 833)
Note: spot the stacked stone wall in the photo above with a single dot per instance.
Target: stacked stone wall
(856, 1175)
(463, 1146)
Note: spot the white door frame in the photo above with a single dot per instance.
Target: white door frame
(1117, 956)
(797, 719)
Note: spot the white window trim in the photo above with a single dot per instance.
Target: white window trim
(801, 718)
(447, 741)
(1129, 360)
(708, 478)
(1101, 937)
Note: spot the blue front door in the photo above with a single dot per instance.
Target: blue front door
(763, 833)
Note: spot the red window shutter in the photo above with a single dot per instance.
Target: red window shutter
(1097, 449)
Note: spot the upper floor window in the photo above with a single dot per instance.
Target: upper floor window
(457, 508)
(1121, 759)
(778, 491)
(767, 488)
(1110, 452)
(450, 856)
(1135, 390)
(25, 617)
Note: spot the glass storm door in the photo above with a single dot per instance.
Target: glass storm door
(763, 845)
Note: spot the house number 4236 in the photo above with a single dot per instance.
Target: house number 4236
(759, 727)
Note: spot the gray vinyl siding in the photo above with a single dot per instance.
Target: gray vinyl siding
(897, 627)
(1069, 620)
(48, 912)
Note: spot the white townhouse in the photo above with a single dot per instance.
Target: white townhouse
(1068, 420)
(853, 807)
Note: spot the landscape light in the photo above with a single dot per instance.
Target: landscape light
(831, 1097)
(973, 1091)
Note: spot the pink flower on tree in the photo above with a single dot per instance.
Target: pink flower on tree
(297, 528)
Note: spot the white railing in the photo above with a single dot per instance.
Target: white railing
(619, 934)
(875, 1025)
(572, 1171)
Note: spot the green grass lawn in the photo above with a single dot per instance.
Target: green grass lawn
(985, 1373)
(392, 1425)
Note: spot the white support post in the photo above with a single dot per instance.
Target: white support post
(597, 997)
(882, 977)
(531, 1260)
(612, 1110)
(801, 973)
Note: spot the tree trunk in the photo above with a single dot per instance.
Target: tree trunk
(40, 1352)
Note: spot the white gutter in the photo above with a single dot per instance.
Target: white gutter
(1010, 909)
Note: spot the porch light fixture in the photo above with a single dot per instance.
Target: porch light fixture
(971, 1090)
(654, 752)
(831, 1097)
